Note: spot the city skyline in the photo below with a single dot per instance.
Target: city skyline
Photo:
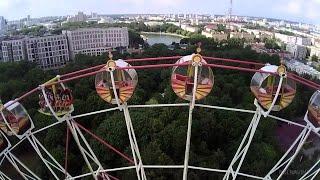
(292, 10)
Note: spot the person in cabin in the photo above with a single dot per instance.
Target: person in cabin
(42, 102)
(50, 97)
(68, 98)
(65, 100)
(59, 101)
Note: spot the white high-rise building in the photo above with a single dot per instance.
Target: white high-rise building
(1, 56)
(49, 52)
(297, 51)
(95, 41)
(3, 25)
(13, 50)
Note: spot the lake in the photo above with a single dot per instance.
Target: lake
(166, 39)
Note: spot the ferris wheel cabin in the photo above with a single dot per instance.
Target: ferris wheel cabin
(314, 108)
(182, 79)
(59, 98)
(264, 86)
(17, 118)
(125, 82)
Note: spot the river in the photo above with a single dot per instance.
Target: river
(167, 39)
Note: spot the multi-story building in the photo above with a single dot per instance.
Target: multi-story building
(314, 51)
(297, 51)
(263, 36)
(189, 28)
(286, 38)
(207, 34)
(13, 50)
(95, 41)
(80, 17)
(304, 41)
(49, 52)
(3, 24)
(216, 36)
(246, 36)
(211, 27)
(1, 56)
(220, 36)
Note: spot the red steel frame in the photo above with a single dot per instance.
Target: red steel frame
(97, 69)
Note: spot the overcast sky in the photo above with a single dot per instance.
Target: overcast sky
(298, 10)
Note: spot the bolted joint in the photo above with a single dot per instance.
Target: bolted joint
(282, 71)
(196, 60)
(111, 65)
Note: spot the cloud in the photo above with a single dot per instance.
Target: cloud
(294, 7)
(4, 4)
(299, 9)
(161, 3)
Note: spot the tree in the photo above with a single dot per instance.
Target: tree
(271, 44)
(134, 39)
(221, 28)
(161, 131)
(314, 58)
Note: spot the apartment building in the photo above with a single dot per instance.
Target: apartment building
(3, 24)
(1, 55)
(297, 51)
(95, 41)
(215, 35)
(314, 51)
(303, 41)
(246, 36)
(189, 28)
(211, 27)
(49, 52)
(13, 50)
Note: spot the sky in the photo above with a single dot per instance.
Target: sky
(307, 11)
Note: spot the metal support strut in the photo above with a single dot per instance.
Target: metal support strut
(192, 103)
(15, 162)
(290, 155)
(244, 147)
(37, 146)
(134, 145)
(76, 132)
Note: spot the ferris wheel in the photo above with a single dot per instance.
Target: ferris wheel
(192, 79)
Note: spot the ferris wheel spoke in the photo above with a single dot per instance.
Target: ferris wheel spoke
(191, 108)
(290, 154)
(76, 133)
(35, 143)
(15, 161)
(312, 172)
(66, 153)
(4, 176)
(243, 147)
(109, 146)
(36, 148)
(134, 145)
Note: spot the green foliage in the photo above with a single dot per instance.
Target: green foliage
(221, 28)
(286, 33)
(271, 44)
(160, 132)
(32, 31)
(134, 39)
(314, 58)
